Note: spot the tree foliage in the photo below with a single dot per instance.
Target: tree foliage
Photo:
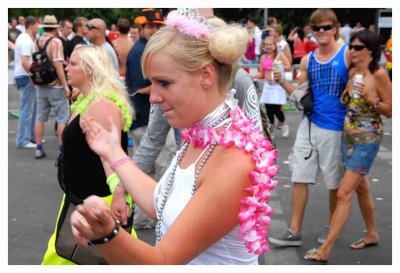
(288, 17)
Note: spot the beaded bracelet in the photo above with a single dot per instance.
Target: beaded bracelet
(119, 162)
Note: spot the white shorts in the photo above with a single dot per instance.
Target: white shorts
(326, 156)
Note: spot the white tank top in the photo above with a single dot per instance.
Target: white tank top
(229, 249)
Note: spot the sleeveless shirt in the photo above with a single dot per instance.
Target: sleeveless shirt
(328, 81)
(360, 115)
(227, 250)
(267, 63)
(82, 168)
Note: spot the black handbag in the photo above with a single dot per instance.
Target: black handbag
(65, 244)
(307, 101)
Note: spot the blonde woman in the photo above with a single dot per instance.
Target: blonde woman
(81, 172)
(209, 210)
(273, 95)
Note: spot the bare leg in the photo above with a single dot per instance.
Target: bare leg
(350, 182)
(332, 203)
(39, 129)
(367, 207)
(299, 202)
(60, 129)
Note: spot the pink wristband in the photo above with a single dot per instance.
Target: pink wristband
(119, 162)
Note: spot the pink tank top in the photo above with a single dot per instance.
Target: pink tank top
(267, 64)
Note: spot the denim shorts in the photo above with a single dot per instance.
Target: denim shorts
(361, 159)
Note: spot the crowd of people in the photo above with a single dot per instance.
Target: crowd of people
(182, 71)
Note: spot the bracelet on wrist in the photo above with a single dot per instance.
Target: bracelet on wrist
(108, 237)
(376, 104)
(119, 162)
(112, 182)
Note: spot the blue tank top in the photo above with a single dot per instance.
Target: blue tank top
(328, 81)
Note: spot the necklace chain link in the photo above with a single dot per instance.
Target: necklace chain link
(171, 177)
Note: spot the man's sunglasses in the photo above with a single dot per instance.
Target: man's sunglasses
(357, 47)
(324, 27)
(90, 26)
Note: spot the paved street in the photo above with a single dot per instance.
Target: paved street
(34, 197)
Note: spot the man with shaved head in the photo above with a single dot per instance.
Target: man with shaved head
(96, 34)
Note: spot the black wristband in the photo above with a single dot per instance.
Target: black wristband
(108, 237)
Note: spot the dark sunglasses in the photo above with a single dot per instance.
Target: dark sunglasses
(357, 47)
(151, 26)
(324, 27)
(90, 26)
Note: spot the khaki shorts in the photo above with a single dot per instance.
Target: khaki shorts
(49, 97)
(326, 156)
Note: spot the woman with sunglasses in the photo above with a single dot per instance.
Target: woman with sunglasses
(363, 130)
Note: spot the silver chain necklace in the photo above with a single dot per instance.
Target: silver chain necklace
(171, 178)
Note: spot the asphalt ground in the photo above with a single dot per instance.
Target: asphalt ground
(34, 197)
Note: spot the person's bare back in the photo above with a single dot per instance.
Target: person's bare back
(122, 46)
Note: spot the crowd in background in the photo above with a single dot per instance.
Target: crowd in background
(274, 53)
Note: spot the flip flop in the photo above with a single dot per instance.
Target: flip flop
(355, 245)
(312, 255)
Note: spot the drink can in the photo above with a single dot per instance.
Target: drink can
(279, 67)
(357, 79)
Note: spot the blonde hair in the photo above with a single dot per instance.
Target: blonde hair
(227, 44)
(105, 79)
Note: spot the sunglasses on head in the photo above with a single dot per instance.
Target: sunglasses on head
(324, 27)
(357, 47)
(90, 26)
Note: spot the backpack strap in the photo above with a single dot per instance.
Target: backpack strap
(45, 45)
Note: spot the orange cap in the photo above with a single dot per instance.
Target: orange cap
(149, 16)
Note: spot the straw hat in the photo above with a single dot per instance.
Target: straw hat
(149, 16)
(50, 21)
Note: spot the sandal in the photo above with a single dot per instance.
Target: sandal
(313, 256)
(360, 244)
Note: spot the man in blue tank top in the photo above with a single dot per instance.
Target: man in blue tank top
(317, 149)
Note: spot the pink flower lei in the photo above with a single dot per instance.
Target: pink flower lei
(189, 22)
(254, 212)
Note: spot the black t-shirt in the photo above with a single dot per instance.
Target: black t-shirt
(134, 80)
(77, 40)
(13, 34)
(65, 45)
